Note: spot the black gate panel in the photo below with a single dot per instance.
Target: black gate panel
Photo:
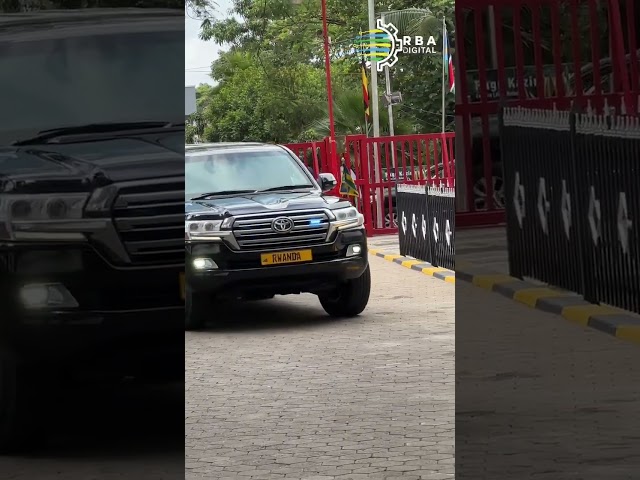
(411, 205)
(608, 150)
(541, 197)
(441, 208)
(572, 185)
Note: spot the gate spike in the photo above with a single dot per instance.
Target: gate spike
(623, 107)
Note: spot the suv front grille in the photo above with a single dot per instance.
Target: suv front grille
(150, 221)
(254, 232)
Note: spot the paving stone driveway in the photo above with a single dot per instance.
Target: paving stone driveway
(539, 397)
(281, 391)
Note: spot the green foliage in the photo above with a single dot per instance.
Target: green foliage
(253, 103)
(349, 118)
(271, 80)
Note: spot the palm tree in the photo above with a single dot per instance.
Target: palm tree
(348, 116)
(414, 21)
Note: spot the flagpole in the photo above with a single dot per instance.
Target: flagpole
(327, 64)
(362, 65)
(445, 48)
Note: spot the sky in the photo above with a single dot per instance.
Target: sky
(198, 55)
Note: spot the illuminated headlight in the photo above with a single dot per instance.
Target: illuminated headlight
(42, 217)
(354, 250)
(348, 218)
(52, 295)
(204, 264)
(205, 229)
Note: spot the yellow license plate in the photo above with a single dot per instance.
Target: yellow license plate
(182, 286)
(279, 258)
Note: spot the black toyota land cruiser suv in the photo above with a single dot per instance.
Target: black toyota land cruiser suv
(257, 224)
(91, 197)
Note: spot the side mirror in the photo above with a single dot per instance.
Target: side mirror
(327, 181)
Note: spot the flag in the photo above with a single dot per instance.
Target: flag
(365, 88)
(347, 185)
(448, 59)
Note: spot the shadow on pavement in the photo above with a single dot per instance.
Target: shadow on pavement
(277, 313)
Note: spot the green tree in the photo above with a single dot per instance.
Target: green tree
(415, 21)
(254, 103)
(276, 53)
(349, 118)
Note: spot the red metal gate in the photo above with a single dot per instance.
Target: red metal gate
(380, 163)
(313, 154)
(533, 53)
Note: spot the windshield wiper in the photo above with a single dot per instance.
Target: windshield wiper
(286, 187)
(45, 136)
(204, 196)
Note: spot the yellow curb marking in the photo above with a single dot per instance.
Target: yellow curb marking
(488, 281)
(432, 270)
(530, 296)
(630, 333)
(409, 263)
(580, 314)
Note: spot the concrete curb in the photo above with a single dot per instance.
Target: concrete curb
(417, 265)
(569, 305)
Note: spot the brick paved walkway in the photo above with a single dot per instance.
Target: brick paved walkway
(539, 397)
(281, 391)
(485, 247)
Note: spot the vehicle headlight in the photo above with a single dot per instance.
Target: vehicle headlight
(348, 218)
(42, 216)
(205, 229)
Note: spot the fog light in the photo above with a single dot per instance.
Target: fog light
(204, 264)
(51, 295)
(354, 250)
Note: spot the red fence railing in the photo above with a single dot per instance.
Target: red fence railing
(384, 162)
(535, 54)
(313, 154)
(380, 164)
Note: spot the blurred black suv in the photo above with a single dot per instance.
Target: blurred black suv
(91, 197)
(257, 224)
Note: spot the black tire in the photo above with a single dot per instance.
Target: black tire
(195, 309)
(350, 299)
(18, 416)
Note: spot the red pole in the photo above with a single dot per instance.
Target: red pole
(327, 63)
(619, 54)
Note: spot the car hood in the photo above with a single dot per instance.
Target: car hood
(260, 203)
(64, 166)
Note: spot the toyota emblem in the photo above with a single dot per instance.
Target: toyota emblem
(282, 225)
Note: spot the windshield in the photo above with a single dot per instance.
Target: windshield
(90, 78)
(210, 172)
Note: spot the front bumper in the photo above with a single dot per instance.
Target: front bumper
(240, 274)
(111, 301)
